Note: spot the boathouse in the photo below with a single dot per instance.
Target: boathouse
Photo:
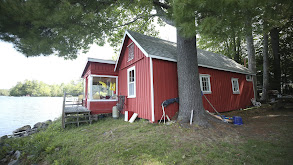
(146, 74)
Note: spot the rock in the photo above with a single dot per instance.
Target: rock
(13, 162)
(16, 155)
(21, 129)
(48, 122)
(4, 160)
(4, 137)
(42, 125)
(15, 158)
(38, 125)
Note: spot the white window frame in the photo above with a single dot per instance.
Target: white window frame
(248, 77)
(134, 82)
(90, 87)
(232, 82)
(209, 83)
(130, 46)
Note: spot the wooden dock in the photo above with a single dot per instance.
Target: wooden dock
(74, 113)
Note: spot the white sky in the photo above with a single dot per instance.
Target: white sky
(15, 67)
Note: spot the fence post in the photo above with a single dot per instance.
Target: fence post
(63, 113)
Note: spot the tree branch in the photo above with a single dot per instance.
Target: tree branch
(135, 19)
(161, 13)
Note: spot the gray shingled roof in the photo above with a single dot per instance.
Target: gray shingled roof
(166, 50)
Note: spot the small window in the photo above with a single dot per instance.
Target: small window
(103, 88)
(248, 78)
(235, 86)
(130, 51)
(131, 82)
(205, 83)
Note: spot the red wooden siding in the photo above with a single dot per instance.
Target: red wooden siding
(141, 104)
(165, 86)
(100, 107)
(96, 68)
(102, 69)
(222, 97)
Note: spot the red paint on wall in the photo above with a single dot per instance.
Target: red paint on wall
(165, 87)
(100, 107)
(222, 97)
(96, 68)
(141, 104)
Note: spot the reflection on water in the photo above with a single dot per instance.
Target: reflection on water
(16, 112)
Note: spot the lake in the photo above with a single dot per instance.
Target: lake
(16, 112)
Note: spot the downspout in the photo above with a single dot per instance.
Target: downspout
(152, 90)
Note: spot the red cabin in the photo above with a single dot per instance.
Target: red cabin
(101, 85)
(147, 73)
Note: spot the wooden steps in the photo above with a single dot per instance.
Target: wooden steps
(74, 113)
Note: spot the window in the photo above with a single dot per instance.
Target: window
(130, 51)
(235, 86)
(131, 82)
(248, 78)
(205, 83)
(102, 88)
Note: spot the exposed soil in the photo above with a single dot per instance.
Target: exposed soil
(264, 123)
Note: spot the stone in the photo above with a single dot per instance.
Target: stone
(4, 160)
(48, 122)
(15, 158)
(13, 162)
(16, 154)
(38, 125)
(21, 129)
(42, 125)
(4, 137)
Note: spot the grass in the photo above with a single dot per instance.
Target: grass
(111, 141)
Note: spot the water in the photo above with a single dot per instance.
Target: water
(16, 112)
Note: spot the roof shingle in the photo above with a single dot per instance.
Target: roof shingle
(166, 50)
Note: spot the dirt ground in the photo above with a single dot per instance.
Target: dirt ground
(265, 122)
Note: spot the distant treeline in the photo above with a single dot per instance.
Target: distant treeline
(39, 88)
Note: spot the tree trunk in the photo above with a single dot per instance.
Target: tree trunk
(190, 97)
(236, 52)
(274, 33)
(251, 55)
(265, 85)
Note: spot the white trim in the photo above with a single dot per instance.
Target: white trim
(152, 89)
(116, 63)
(94, 75)
(206, 66)
(89, 87)
(95, 60)
(101, 60)
(163, 58)
(130, 44)
(238, 91)
(84, 87)
(130, 69)
(248, 79)
(102, 100)
(90, 80)
(132, 49)
(137, 44)
(209, 83)
(133, 41)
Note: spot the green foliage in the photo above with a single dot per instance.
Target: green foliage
(64, 28)
(38, 88)
(4, 92)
